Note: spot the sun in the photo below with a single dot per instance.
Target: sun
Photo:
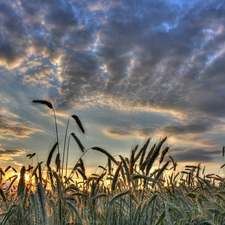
(27, 177)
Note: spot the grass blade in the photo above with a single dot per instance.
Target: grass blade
(82, 148)
(115, 178)
(76, 118)
(106, 153)
(51, 154)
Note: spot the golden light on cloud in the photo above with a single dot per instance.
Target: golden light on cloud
(122, 103)
(13, 63)
(184, 141)
(118, 133)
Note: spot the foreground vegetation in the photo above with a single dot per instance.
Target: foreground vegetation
(127, 191)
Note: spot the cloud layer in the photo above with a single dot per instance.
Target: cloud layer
(154, 56)
(9, 128)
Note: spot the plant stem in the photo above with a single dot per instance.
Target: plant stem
(64, 146)
(56, 129)
(67, 155)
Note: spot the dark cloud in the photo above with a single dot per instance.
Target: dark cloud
(10, 152)
(9, 57)
(147, 131)
(9, 128)
(194, 155)
(132, 131)
(12, 23)
(154, 58)
(9, 155)
(193, 127)
(61, 20)
(118, 132)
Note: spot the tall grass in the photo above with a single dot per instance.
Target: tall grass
(145, 188)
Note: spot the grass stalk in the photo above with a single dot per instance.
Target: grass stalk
(119, 194)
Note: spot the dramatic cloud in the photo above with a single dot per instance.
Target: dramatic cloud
(9, 57)
(8, 129)
(4, 152)
(10, 157)
(195, 155)
(118, 132)
(132, 131)
(151, 59)
(122, 49)
(163, 57)
(194, 127)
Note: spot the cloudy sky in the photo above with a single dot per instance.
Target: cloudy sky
(129, 69)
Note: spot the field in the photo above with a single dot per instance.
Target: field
(127, 191)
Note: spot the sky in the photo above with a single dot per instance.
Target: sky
(129, 69)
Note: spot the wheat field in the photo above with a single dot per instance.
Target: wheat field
(128, 190)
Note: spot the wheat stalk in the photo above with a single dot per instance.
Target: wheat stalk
(78, 142)
(35, 205)
(41, 196)
(49, 105)
(106, 153)
(51, 154)
(115, 178)
(76, 118)
(21, 185)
